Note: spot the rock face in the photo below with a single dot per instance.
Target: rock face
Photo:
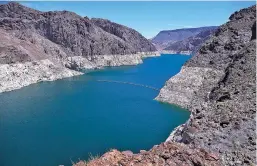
(183, 87)
(179, 37)
(77, 35)
(218, 86)
(67, 40)
(191, 44)
(130, 36)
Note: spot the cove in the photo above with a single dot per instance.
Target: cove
(55, 123)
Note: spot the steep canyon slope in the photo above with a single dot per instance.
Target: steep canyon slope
(218, 85)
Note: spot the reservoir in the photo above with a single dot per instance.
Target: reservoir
(60, 122)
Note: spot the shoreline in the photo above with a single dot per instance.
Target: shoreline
(18, 75)
(84, 64)
(182, 89)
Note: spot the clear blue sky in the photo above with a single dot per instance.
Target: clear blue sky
(151, 17)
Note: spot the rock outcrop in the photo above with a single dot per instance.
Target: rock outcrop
(173, 154)
(181, 39)
(183, 87)
(68, 41)
(218, 86)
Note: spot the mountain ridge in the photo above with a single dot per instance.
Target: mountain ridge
(166, 37)
(69, 30)
(190, 44)
(188, 29)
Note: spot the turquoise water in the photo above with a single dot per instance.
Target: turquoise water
(55, 123)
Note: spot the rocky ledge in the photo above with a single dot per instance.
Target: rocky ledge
(164, 154)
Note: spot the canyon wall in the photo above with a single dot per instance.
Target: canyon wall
(218, 86)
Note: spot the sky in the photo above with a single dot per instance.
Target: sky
(149, 18)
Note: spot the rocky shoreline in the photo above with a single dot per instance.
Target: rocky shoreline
(17, 75)
(183, 87)
(99, 61)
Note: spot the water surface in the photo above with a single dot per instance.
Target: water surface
(55, 123)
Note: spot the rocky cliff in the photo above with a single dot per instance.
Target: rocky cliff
(167, 38)
(66, 40)
(130, 36)
(218, 86)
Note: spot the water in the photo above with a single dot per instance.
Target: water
(54, 123)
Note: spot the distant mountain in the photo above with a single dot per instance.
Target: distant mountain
(164, 38)
(191, 44)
